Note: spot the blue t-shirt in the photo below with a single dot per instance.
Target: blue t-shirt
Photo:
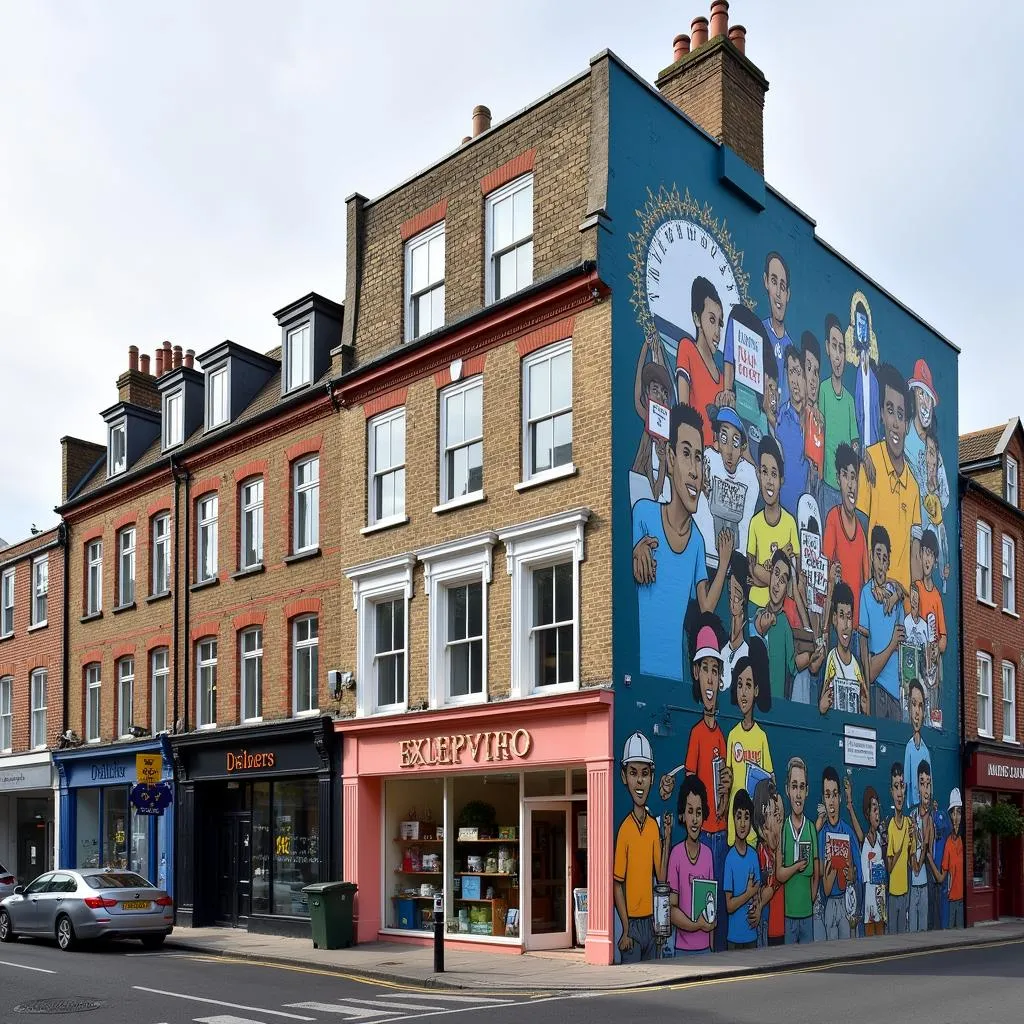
(880, 627)
(789, 432)
(911, 761)
(840, 828)
(662, 604)
(943, 827)
(779, 346)
(738, 870)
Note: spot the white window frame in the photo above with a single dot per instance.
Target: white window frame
(218, 397)
(530, 473)
(126, 567)
(1009, 547)
(310, 490)
(308, 647)
(250, 649)
(984, 694)
(174, 418)
(250, 513)
(304, 334)
(7, 581)
(93, 716)
(207, 526)
(40, 590)
(983, 574)
(94, 577)
(492, 257)
(423, 241)
(1009, 676)
(6, 714)
(159, 676)
(38, 682)
(537, 545)
(161, 542)
(206, 662)
(1011, 480)
(116, 466)
(387, 579)
(472, 389)
(125, 689)
(454, 564)
(391, 419)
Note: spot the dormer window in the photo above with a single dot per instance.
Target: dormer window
(217, 413)
(174, 421)
(117, 448)
(298, 357)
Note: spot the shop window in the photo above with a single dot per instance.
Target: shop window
(982, 852)
(286, 846)
(545, 783)
(252, 674)
(115, 827)
(87, 829)
(543, 560)
(413, 851)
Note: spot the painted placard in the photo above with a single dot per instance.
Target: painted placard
(148, 769)
(860, 746)
(749, 356)
(657, 420)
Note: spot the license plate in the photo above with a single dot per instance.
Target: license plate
(135, 905)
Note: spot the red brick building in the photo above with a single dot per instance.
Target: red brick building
(993, 653)
(31, 699)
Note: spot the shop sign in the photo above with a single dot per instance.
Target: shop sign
(222, 760)
(244, 761)
(109, 772)
(34, 776)
(997, 772)
(463, 748)
(148, 769)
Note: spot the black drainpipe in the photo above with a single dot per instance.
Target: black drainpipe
(962, 489)
(65, 656)
(175, 592)
(187, 615)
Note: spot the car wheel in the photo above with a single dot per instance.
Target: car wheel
(6, 931)
(66, 933)
(153, 941)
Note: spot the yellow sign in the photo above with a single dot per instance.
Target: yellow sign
(147, 769)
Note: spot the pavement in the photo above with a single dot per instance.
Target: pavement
(566, 971)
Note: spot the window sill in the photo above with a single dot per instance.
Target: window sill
(548, 476)
(1011, 742)
(466, 499)
(985, 601)
(985, 735)
(1013, 615)
(7, 636)
(153, 598)
(118, 609)
(312, 712)
(37, 625)
(384, 524)
(91, 618)
(252, 721)
(249, 570)
(531, 691)
(391, 709)
(203, 584)
(302, 556)
(208, 726)
(295, 388)
(94, 740)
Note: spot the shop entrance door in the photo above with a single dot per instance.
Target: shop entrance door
(547, 906)
(234, 869)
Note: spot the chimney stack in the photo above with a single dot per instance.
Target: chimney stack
(717, 86)
(177, 357)
(159, 362)
(133, 357)
(135, 386)
(481, 120)
(144, 364)
(190, 358)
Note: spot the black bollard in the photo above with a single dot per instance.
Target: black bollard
(439, 933)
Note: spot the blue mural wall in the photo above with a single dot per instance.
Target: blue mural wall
(785, 531)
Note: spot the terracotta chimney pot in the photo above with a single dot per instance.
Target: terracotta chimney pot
(144, 364)
(719, 18)
(481, 120)
(466, 138)
(698, 32)
(177, 357)
(159, 361)
(680, 46)
(190, 358)
(738, 37)
(133, 357)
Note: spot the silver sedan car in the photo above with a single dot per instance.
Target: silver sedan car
(7, 882)
(94, 903)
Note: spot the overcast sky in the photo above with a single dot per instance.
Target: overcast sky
(179, 170)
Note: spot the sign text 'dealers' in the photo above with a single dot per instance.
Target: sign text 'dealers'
(478, 747)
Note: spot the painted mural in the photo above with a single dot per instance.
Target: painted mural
(791, 518)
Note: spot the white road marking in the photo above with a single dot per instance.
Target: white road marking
(353, 1012)
(394, 1006)
(220, 1002)
(452, 999)
(225, 1018)
(25, 967)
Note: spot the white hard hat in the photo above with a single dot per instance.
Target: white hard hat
(954, 799)
(637, 748)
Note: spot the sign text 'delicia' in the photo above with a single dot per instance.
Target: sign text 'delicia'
(464, 748)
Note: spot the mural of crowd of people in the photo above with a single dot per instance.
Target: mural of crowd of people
(788, 499)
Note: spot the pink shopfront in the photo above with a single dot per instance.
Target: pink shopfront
(505, 808)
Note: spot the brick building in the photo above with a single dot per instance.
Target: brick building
(200, 558)
(552, 335)
(31, 700)
(993, 646)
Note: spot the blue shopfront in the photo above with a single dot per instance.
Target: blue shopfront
(99, 827)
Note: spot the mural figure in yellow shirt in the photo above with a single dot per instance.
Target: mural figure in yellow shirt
(900, 846)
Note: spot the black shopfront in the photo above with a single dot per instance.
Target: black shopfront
(258, 818)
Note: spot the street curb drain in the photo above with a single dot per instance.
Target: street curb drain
(59, 1006)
